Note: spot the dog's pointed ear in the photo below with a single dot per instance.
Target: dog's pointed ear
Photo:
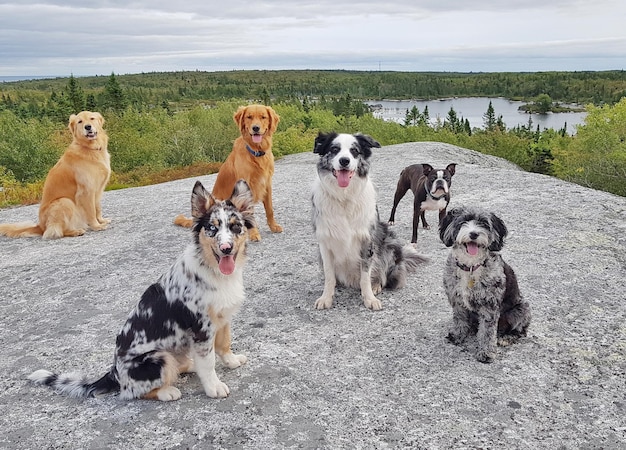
(500, 232)
(320, 146)
(238, 116)
(201, 200)
(274, 119)
(366, 143)
(451, 168)
(426, 169)
(244, 202)
(446, 232)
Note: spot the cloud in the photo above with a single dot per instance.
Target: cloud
(100, 37)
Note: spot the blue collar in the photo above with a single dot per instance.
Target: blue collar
(253, 152)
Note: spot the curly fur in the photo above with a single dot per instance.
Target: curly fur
(481, 287)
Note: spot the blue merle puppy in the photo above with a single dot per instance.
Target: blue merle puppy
(184, 318)
(482, 289)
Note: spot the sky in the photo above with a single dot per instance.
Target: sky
(100, 37)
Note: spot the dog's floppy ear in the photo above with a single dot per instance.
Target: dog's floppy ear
(366, 143)
(426, 169)
(451, 168)
(446, 234)
(500, 231)
(72, 123)
(321, 147)
(243, 201)
(238, 116)
(274, 119)
(201, 200)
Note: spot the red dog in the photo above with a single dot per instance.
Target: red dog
(252, 160)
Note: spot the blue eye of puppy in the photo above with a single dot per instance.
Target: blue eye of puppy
(211, 230)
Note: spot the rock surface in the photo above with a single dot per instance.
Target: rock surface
(341, 378)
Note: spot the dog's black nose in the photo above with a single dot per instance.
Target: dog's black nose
(256, 128)
(226, 249)
(88, 127)
(344, 162)
(473, 235)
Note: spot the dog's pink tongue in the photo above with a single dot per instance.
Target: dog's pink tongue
(344, 177)
(227, 264)
(257, 138)
(472, 248)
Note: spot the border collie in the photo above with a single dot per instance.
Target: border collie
(356, 248)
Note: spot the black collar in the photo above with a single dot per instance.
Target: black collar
(469, 269)
(254, 152)
(431, 195)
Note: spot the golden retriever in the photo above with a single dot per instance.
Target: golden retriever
(74, 186)
(252, 160)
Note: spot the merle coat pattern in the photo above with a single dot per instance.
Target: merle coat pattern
(183, 319)
(356, 248)
(481, 287)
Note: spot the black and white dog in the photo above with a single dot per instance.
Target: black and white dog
(482, 289)
(431, 191)
(356, 248)
(184, 318)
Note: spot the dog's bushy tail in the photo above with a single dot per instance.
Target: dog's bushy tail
(412, 259)
(22, 229)
(75, 385)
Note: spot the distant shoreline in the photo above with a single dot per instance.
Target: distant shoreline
(8, 79)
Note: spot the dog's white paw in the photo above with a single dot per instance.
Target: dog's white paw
(324, 302)
(373, 303)
(377, 288)
(168, 394)
(233, 361)
(217, 390)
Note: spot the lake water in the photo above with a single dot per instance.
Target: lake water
(473, 109)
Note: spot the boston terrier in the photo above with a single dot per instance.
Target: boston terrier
(431, 188)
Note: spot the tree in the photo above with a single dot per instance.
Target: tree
(489, 118)
(412, 117)
(113, 97)
(75, 95)
(543, 103)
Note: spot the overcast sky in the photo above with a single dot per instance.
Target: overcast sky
(99, 37)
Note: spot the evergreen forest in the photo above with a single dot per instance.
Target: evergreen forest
(164, 126)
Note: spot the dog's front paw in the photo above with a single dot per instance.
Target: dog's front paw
(391, 223)
(275, 228)
(233, 361)
(255, 235)
(485, 357)
(455, 338)
(103, 221)
(168, 394)
(373, 303)
(324, 302)
(377, 288)
(217, 390)
(97, 226)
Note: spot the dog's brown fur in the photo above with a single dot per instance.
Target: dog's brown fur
(73, 188)
(241, 164)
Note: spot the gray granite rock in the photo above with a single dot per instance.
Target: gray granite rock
(345, 377)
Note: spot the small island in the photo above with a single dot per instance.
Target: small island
(543, 104)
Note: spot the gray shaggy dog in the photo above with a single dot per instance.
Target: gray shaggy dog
(482, 289)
